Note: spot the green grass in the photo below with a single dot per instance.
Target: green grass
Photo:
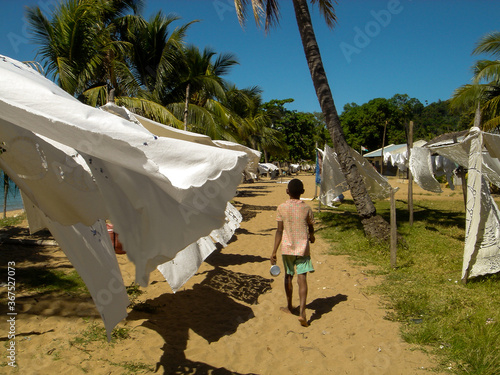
(12, 220)
(95, 332)
(460, 323)
(134, 367)
(42, 280)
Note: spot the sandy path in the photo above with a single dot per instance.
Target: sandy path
(226, 320)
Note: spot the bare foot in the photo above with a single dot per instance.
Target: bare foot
(285, 310)
(303, 322)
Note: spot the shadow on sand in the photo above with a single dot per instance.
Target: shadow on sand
(324, 305)
(220, 259)
(209, 309)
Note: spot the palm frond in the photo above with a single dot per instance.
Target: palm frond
(221, 114)
(487, 70)
(224, 63)
(490, 43)
(492, 124)
(492, 106)
(272, 14)
(466, 97)
(261, 9)
(327, 10)
(151, 110)
(96, 96)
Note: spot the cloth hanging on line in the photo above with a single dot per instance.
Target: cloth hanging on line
(187, 262)
(161, 194)
(478, 153)
(333, 182)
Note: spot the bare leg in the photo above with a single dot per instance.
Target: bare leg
(302, 281)
(289, 293)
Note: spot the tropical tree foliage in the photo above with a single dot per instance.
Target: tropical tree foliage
(104, 50)
(484, 91)
(302, 131)
(438, 118)
(253, 123)
(78, 47)
(365, 125)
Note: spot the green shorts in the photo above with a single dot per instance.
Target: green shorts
(303, 264)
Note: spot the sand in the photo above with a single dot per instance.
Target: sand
(226, 319)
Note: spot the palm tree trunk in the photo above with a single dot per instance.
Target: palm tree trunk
(186, 104)
(374, 225)
(5, 192)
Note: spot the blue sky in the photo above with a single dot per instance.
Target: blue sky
(379, 48)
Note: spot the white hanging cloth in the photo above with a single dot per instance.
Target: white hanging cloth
(161, 194)
(187, 262)
(333, 182)
(422, 169)
(478, 153)
(482, 232)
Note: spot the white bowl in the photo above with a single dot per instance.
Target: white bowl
(275, 270)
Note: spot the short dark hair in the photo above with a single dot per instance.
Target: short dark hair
(295, 187)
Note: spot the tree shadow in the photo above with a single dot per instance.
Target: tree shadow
(20, 253)
(209, 309)
(252, 191)
(41, 280)
(347, 220)
(56, 303)
(323, 306)
(18, 231)
(219, 259)
(342, 220)
(245, 231)
(248, 211)
(24, 334)
(452, 218)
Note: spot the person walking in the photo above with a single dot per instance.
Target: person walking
(294, 233)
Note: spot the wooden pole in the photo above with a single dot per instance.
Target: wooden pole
(394, 230)
(319, 200)
(410, 176)
(382, 152)
(315, 171)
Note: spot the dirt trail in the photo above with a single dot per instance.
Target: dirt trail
(227, 318)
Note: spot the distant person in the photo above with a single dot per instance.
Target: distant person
(295, 232)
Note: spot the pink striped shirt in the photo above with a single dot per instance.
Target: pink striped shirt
(296, 217)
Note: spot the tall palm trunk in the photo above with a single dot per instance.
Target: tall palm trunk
(5, 192)
(186, 105)
(374, 225)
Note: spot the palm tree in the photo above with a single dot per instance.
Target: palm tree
(251, 123)
(185, 87)
(154, 60)
(374, 225)
(103, 50)
(201, 76)
(188, 86)
(6, 186)
(484, 92)
(77, 45)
